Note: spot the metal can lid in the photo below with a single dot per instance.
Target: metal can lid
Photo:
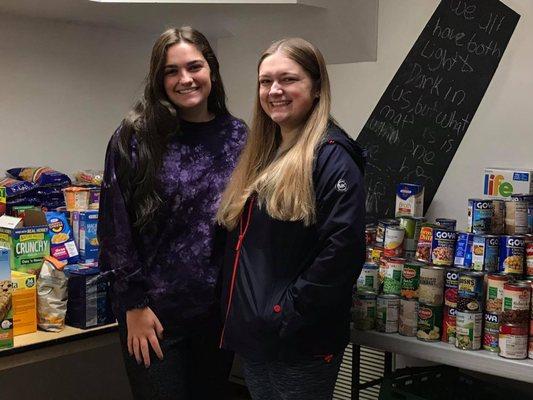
(389, 296)
(366, 295)
(433, 267)
(517, 285)
(477, 274)
(396, 259)
(498, 276)
(409, 300)
(491, 236)
(415, 263)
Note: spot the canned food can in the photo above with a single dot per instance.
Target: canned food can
(429, 322)
(448, 325)
(368, 279)
(491, 331)
(516, 303)
(425, 241)
(485, 253)
(446, 223)
(494, 299)
(451, 284)
(409, 224)
(498, 217)
(530, 351)
(419, 222)
(392, 275)
(516, 217)
(370, 234)
(443, 247)
(463, 250)
(512, 254)
(376, 253)
(480, 214)
(393, 241)
(470, 291)
(528, 243)
(468, 330)
(411, 279)
(380, 231)
(431, 289)
(513, 341)
(364, 311)
(387, 313)
(529, 199)
(408, 319)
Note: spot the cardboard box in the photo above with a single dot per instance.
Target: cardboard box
(501, 183)
(84, 227)
(24, 303)
(3, 200)
(6, 293)
(28, 240)
(88, 298)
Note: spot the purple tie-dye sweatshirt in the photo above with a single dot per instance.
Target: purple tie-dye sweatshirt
(172, 266)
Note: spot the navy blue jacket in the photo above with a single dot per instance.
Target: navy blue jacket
(287, 288)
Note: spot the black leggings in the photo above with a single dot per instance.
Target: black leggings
(193, 367)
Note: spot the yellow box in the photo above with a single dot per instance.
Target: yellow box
(24, 303)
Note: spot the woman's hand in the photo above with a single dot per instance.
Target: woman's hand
(143, 328)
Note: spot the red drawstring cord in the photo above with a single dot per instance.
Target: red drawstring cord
(242, 233)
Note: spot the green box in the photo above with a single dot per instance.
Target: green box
(6, 294)
(28, 239)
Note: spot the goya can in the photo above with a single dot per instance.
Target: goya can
(408, 319)
(411, 279)
(463, 250)
(382, 226)
(512, 254)
(480, 214)
(429, 325)
(451, 284)
(516, 217)
(485, 253)
(391, 268)
(431, 289)
(448, 325)
(425, 241)
(470, 291)
(516, 303)
(468, 330)
(446, 223)
(364, 311)
(370, 234)
(494, 299)
(443, 247)
(491, 331)
(498, 217)
(513, 341)
(528, 244)
(387, 310)
(393, 241)
(368, 279)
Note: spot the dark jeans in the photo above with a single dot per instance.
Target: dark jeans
(193, 367)
(312, 379)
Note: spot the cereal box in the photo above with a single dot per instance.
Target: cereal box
(409, 200)
(24, 303)
(6, 291)
(28, 240)
(84, 225)
(501, 183)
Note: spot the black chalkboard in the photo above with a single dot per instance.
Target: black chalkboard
(419, 122)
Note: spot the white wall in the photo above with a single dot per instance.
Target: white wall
(500, 134)
(64, 89)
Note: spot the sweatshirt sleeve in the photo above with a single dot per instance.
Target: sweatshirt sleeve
(118, 257)
(324, 289)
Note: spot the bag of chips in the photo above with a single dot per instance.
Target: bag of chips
(42, 176)
(52, 295)
(89, 177)
(16, 188)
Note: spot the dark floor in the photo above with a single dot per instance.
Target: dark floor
(239, 392)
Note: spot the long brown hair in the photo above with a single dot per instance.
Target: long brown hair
(153, 120)
(283, 184)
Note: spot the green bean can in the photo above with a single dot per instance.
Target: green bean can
(429, 324)
(392, 275)
(411, 279)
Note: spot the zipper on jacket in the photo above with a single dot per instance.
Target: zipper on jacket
(242, 232)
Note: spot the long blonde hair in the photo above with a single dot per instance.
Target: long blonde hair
(283, 184)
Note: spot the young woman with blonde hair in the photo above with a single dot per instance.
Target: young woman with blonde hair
(294, 209)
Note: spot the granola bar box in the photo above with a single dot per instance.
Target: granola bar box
(6, 292)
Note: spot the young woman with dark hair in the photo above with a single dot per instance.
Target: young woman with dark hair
(166, 167)
(295, 209)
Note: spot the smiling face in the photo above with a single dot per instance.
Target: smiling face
(286, 91)
(187, 81)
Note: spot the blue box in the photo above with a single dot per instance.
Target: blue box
(84, 227)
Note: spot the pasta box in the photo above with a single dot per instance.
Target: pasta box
(503, 182)
(88, 297)
(24, 303)
(84, 227)
(6, 292)
(28, 239)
